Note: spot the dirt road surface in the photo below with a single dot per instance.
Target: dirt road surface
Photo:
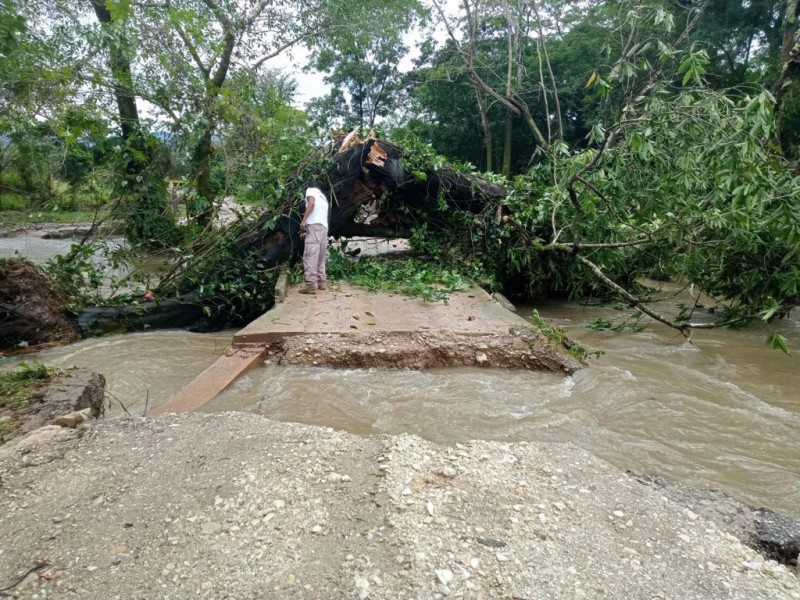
(237, 506)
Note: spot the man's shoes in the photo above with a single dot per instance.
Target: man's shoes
(308, 289)
(322, 287)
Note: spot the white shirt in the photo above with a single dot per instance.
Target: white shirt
(319, 214)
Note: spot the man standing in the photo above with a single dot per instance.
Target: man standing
(315, 227)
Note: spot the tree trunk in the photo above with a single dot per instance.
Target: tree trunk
(121, 73)
(369, 169)
(488, 146)
(512, 33)
(507, 143)
(143, 196)
(202, 208)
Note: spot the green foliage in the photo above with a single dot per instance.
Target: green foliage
(651, 163)
(361, 62)
(18, 387)
(142, 206)
(557, 337)
(102, 272)
(777, 342)
(691, 175)
(264, 139)
(11, 216)
(601, 324)
(77, 274)
(428, 280)
(233, 283)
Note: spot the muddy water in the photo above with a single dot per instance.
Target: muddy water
(32, 246)
(141, 369)
(723, 411)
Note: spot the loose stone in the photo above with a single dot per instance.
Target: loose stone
(444, 576)
(210, 528)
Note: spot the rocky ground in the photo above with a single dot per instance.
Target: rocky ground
(55, 401)
(237, 506)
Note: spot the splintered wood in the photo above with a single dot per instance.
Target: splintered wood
(350, 140)
(377, 155)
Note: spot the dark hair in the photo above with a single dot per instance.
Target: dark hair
(316, 183)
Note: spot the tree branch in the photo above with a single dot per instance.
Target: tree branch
(595, 245)
(372, 231)
(515, 103)
(681, 326)
(189, 46)
(289, 44)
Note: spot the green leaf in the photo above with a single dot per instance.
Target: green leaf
(777, 342)
(119, 9)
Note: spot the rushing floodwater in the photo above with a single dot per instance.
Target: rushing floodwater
(720, 412)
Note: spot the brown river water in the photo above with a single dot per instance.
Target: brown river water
(721, 411)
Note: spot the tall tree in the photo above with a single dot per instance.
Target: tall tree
(194, 46)
(142, 191)
(361, 63)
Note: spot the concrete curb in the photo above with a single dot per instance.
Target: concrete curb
(282, 286)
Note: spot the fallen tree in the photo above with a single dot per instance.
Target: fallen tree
(376, 191)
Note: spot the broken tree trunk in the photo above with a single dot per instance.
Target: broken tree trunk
(362, 173)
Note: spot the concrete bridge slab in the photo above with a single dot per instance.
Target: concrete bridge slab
(346, 309)
(348, 326)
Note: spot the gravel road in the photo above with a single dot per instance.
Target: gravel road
(237, 506)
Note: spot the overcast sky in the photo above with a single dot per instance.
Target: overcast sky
(311, 85)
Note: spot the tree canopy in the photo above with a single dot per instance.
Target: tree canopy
(648, 139)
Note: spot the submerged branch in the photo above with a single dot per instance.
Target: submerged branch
(681, 326)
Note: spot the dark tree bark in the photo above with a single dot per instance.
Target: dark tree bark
(121, 72)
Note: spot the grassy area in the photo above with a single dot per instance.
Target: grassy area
(64, 204)
(18, 387)
(17, 217)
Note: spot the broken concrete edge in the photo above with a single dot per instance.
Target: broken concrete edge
(775, 536)
(282, 285)
(260, 340)
(421, 350)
